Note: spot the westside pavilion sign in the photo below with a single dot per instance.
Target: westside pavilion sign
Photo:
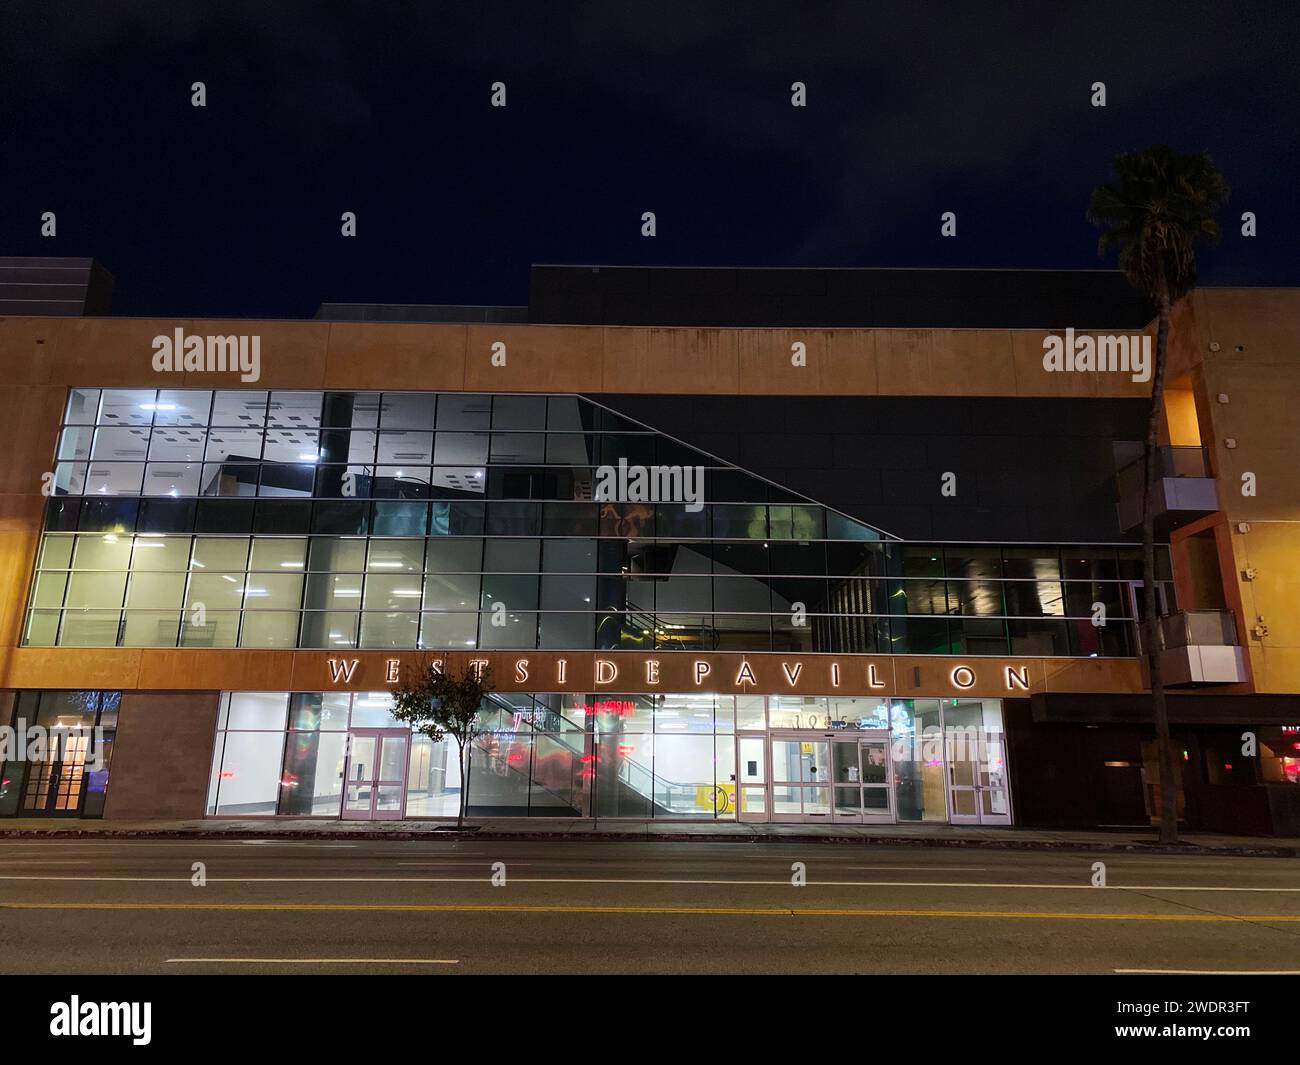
(719, 672)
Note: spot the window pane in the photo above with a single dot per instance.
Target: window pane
(218, 628)
(90, 628)
(239, 409)
(156, 591)
(461, 449)
(461, 411)
(301, 410)
(151, 628)
(177, 406)
(451, 591)
(400, 518)
(121, 406)
(257, 710)
(311, 784)
(337, 555)
(74, 443)
(333, 591)
(396, 556)
(511, 556)
(319, 710)
(273, 591)
(249, 778)
(269, 628)
(448, 630)
(516, 629)
(114, 478)
(220, 553)
(389, 629)
(95, 590)
(83, 406)
(391, 591)
(683, 771)
(49, 589)
(625, 780)
(519, 412)
(329, 629)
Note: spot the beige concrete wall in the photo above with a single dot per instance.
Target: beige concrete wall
(1243, 345)
(40, 358)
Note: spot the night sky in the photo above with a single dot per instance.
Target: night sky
(615, 108)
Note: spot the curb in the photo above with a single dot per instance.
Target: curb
(1135, 847)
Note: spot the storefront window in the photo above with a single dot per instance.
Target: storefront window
(918, 760)
(669, 756)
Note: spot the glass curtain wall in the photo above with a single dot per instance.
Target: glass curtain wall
(669, 756)
(334, 520)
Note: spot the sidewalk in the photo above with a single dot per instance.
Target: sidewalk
(532, 829)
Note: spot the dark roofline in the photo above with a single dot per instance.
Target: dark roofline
(835, 297)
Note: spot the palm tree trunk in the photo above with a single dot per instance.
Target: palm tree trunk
(1154, 642)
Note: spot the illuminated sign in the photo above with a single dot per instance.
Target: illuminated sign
(724, 672)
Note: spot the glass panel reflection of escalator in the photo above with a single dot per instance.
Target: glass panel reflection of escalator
(518, 772)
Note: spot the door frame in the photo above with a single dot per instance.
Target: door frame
(977, 789)
(801, 736)
(765, 771)
(857, 738)
(381, 736)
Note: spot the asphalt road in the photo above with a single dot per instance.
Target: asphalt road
(114, 906)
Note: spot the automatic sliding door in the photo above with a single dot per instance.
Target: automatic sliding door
(873, 755)
(801, 779)
(861, 778)
(846, 773)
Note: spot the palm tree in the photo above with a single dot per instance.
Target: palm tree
(1157, 208)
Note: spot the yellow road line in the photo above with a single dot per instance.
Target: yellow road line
(736, 911)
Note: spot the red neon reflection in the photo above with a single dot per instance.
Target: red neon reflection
(621, 707)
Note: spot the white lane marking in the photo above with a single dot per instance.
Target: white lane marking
(1211, 972)
(587, 880)
(923, 868)
(466, 861)
(313, 961)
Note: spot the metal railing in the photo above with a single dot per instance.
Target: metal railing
(1170, 462)
(1196, 628)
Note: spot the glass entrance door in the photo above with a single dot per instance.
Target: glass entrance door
(54, 785)
(801, 777)
(752, 800)
(978, 791)
(861, 777)
(376, 774)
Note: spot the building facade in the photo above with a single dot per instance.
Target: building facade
(784, 572)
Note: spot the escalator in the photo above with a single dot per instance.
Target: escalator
(517, 772)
